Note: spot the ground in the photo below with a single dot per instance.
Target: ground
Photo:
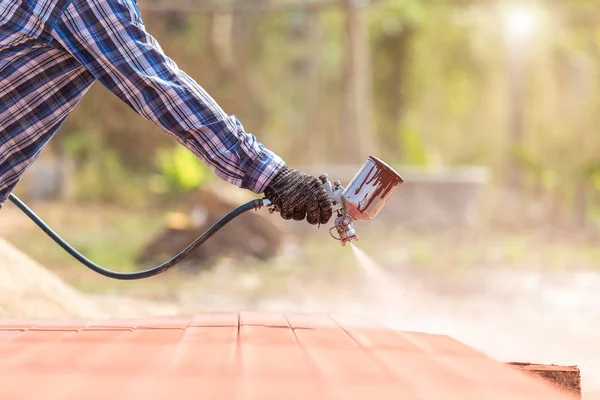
(526, 296)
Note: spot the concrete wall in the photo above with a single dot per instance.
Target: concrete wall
(429, 197)
(46, 179)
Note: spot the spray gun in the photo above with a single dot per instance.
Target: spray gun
(362, 199)
(343, 221)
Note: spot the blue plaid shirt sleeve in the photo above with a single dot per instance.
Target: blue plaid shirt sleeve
(108, 40)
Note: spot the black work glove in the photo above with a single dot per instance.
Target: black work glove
(298, 196)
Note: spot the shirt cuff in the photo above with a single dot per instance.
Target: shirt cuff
(235, 155)
(262, 171)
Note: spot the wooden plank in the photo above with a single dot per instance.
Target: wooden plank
(567, 378)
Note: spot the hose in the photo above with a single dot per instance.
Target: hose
(127, 276)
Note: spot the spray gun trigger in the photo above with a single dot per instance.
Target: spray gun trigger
(273, 209)
(332, 235)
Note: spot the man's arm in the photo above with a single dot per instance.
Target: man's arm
(109, 39)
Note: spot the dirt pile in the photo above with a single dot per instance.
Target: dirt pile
(28, 290)
(253, 235)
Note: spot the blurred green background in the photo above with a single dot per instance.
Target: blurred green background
(431, 85)
(510, 86)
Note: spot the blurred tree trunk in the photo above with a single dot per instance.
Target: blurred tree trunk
(581, 95)
(356, 139)
(394, 50)
(219, 41)
(220, 56)
(515, 76)
(314, 145)
(231, 41)
(247, 96)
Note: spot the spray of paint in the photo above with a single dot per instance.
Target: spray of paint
(398, 306)
(388, 288)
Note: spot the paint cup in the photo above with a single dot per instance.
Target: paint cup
(370, 189)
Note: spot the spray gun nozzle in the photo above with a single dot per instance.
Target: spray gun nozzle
(345, 229)
(343, 223)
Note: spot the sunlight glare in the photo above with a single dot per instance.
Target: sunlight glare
(520, 22)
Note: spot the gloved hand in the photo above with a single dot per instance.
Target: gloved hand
(298, 196)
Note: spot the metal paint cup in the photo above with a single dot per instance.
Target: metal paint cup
(370, 189)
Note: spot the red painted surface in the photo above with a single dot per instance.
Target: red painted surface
(246, 356)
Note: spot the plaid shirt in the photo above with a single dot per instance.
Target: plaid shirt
(52, 51)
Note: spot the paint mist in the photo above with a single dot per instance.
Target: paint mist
(388, 288)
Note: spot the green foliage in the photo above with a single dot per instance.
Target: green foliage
(104, 178)
(100, 174)
(391, 16)
(414, 150)
(590, 173)
(180, 171)
(527, 160)
(441, 93)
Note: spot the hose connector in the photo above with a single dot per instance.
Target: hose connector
(260, 203)
(345, 229)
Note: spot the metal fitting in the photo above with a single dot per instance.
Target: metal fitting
(345, 229)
